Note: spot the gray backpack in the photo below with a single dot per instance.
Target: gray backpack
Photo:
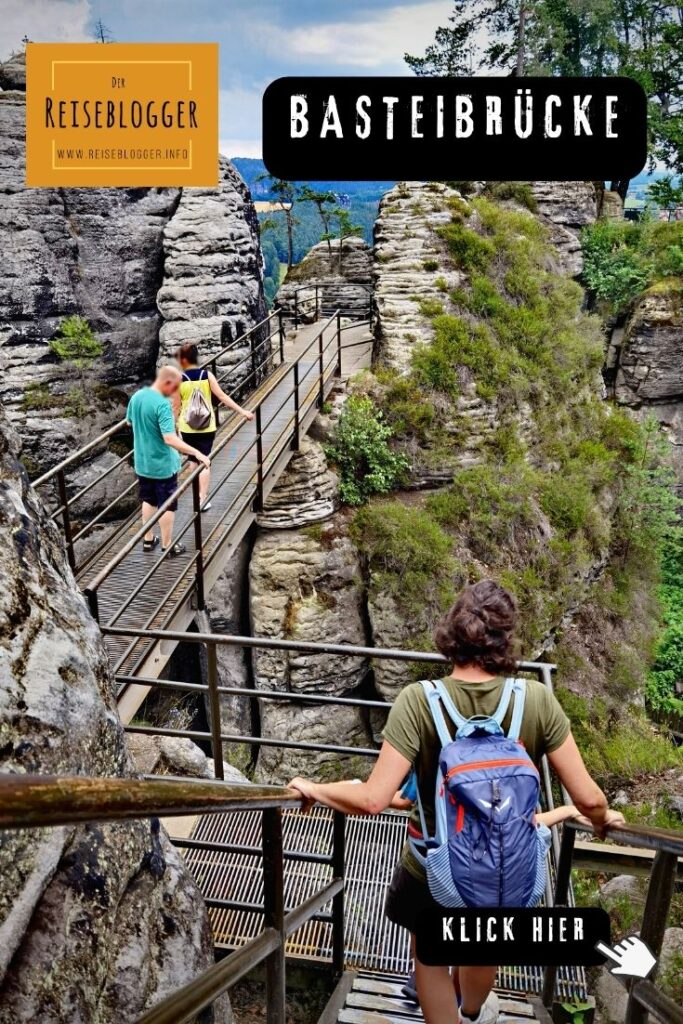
(198, 413)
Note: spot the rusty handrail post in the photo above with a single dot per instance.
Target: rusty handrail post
(281, 331)
(66, 519)
(214, 709)
(338, 867)
(274, 913)
(296, 442)
(259, 460)
(321, 369)
(657, 903)
(561, 894)
(339, 344)
(199, 546)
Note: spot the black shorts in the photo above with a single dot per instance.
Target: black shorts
(202, 442)
(156, 492)
(407, 898)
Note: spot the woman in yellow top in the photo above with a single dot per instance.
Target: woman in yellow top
(197, 420)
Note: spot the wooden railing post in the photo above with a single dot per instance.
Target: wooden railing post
(214, 709)
(199, 546)
(274, 914)
(66, 519)
(281, 330)
(296, 443)
(338, 866)
(296, 310)
(657, 903)
(317, 302)
(259, 460)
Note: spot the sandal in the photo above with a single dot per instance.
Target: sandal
(149, 545)
(175, 550)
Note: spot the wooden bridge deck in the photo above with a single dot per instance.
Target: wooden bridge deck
(166, 599)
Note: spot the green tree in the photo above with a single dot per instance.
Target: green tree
(666, 194)
(325, 203)
(75, 343)
(345, 229)
(77, 346)
(284, 195)
(639, 38)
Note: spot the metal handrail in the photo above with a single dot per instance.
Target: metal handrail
(28, 801)
(40, 801)
(105, 435)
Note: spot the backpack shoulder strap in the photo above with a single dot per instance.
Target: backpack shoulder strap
(519, 689)
(185, 377)
(434, 698)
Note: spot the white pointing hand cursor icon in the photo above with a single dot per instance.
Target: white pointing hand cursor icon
(631, 957)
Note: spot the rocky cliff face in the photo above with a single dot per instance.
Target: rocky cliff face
(104, 254)
(212, 289)
(97, 922)
(646, 355)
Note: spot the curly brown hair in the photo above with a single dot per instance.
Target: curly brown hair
(479, 628)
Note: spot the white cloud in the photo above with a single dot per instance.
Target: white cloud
(43, 21)
(240, 119)
(378, 40)
(241, 147)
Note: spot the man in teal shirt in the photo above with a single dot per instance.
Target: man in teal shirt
(156, 457)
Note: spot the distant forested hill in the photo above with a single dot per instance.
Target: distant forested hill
(360, 198)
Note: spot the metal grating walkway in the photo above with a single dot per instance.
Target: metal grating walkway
(373, 846)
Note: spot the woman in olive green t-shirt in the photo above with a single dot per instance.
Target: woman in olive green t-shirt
(476, 635)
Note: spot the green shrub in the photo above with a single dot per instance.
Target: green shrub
(39, 396)
(408, 554)
(519, 191)
(469, 250)
(430, 307)
(75, 342)
(360, 449)
(430, 265)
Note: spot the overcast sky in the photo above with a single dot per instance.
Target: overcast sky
(259, 40)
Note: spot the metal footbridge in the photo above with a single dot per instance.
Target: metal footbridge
(280, 886)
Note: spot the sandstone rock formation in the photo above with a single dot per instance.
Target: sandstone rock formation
(212, 289)
(99, 253)
(647, 356)
(410, 265)
(176, 755)
(97, 922)
(229, 614)
(307, 585)
(567, 207)
(305, 493)
(348, 288)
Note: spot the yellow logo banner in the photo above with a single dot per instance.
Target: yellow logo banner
(121, 114)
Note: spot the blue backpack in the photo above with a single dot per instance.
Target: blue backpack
(486, 850)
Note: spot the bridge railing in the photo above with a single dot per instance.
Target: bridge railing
(308, 375)
(668, 845)
(42, 801)
(71, 499)
(310, 303)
